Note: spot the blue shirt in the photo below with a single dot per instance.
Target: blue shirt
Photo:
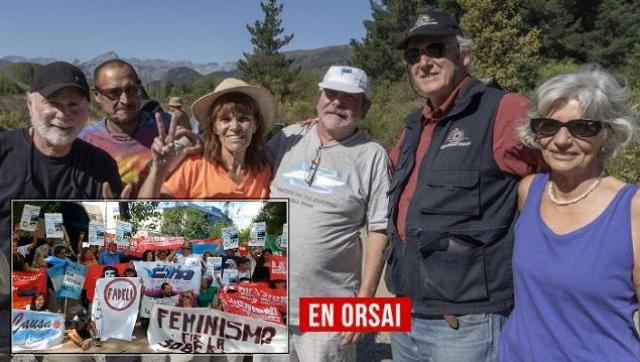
(108, 258)
(54, 260)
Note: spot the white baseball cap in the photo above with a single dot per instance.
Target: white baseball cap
(346, 79)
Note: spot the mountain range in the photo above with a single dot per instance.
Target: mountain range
(150, 70)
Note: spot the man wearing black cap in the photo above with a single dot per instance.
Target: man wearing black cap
(453, 200)
(46, 160)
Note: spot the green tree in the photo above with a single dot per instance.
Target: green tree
(8, 86)
(143, 212)
(266, 65)
(274, 213)
(186, 222)
(216, 230)
(504, 50)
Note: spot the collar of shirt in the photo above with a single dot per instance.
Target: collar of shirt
(433, 115)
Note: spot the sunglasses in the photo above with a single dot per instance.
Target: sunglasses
(115, 93)
(581, 128)
(434, 50)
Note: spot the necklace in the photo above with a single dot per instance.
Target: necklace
(578, 198)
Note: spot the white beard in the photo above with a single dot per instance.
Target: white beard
(55, 136)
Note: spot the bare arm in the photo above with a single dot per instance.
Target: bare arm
(523, 190)
(373, 263)
(635, 237)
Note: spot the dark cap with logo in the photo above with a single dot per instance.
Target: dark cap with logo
(54, 76)
(432, 23)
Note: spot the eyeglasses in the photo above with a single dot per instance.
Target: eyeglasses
(313, 169)
(115, 93)
(434, 50)
(580, 128)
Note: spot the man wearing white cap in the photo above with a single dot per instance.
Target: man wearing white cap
(337, 181)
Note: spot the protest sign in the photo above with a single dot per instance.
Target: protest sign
(140, 244)
(214, 267)
(53, 225)
(230, 276)
(56, 275)
(29, 218)
(154, 274)
(94, 272)
(230, 239)
(283, 240)
(32, 330)
(277, 267)
(26, 285)
(258, 234)
(96, 233)
(203, 330)
(73, 280)
(148, 303)
(123, 233)
(234, 303)
(115, 307)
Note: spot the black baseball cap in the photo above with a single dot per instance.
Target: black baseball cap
(54, 76)
(432, 23)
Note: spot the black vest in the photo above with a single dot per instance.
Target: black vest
(456, 258)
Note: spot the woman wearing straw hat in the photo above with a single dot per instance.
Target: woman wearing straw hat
(236, 118)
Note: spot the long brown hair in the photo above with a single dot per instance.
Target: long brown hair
(255, 157)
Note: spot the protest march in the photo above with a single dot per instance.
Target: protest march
(213, 295)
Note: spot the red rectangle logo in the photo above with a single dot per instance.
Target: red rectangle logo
(323, 314)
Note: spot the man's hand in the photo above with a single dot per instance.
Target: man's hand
(163, 150)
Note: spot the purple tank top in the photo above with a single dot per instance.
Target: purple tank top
(574, 293)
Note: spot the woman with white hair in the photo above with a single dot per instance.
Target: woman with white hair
(576, 259)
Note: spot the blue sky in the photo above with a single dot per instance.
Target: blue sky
(200, 30)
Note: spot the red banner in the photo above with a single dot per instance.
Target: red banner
(141, 243)
(94, 272)
(234, 303)
(258, 294)
(277, 267)
(26, 285)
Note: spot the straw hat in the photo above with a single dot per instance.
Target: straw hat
(263, 98)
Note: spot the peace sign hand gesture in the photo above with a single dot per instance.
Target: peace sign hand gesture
(163, 149)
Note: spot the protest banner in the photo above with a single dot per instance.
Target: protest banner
(32, 330)
(26, 285)
(214, 245)
(230, 239)
(56, 275)
(272, 243)
(123, 233)
(154, 274)
(214, 267)
(96, 233)
(148, 302)
(277, 267)
(234, 303)
(94, 272)
(29, 218)
(258, 234)
(259, 294)
(53, 225)
(283, 240)
(115, 307)
(73, 280)
(139, 244)
(203, 330)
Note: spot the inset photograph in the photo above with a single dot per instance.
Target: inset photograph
(149, 276)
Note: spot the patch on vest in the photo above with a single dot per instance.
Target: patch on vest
(455, 138)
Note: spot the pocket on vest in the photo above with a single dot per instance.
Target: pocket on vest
(392, 272)
(451, 192)
(454, 276)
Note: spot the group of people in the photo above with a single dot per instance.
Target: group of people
(493, 213)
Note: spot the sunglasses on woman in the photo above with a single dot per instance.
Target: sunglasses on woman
(435, 50)
(581, 128)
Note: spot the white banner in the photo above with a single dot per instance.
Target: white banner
(29, 219)
(230, 239)
(32, 330)
(53, 225)
(115, 307)
(148, 302)
(203, 330)
(96, 233)
(258, 234)
(181, 277)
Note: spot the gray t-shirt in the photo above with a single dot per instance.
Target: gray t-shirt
(348, 192)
